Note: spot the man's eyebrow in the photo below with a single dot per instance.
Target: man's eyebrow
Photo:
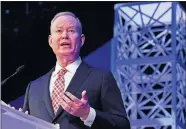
(72, 27)
(58, 26)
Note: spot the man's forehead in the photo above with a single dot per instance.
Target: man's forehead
(63, 25)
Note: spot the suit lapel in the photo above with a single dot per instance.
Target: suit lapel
(79, 77)
(76, 82)
(46, 95)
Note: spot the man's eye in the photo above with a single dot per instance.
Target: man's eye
(58, 31)
(73, 31)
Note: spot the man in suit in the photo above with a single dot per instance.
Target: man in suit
(74, 94)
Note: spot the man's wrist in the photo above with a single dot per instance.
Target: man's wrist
(90, 118)
(86, 114)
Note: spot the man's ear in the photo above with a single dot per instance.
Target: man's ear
(82, 39)
(50, 40)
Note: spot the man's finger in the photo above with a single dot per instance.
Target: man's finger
(13, 107)
(72, 97)
(84, 96)
(26, 112)
(64, 105)
(67, 100)
(20, 109)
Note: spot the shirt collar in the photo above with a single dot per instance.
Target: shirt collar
(70, 67)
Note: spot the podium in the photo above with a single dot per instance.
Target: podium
(14, 119)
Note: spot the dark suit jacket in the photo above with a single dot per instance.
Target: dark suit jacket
(103, 95)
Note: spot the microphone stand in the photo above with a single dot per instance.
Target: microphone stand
(20, 68)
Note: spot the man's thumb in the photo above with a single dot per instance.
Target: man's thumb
(84, 95)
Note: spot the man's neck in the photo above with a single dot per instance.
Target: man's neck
(66, 60)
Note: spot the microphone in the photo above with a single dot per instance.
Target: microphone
(19, 69)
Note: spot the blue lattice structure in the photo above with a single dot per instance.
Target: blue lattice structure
(149, 63)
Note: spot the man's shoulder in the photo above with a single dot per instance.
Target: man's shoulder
(97, 70)
(43, 77)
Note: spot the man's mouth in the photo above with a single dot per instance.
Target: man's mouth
(65, 44)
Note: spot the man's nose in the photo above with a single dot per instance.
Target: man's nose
(64, 35)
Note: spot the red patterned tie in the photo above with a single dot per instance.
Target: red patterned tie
(58, 90)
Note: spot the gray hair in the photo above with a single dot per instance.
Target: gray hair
(68, 14)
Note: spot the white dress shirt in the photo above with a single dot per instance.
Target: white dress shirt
(71, 70)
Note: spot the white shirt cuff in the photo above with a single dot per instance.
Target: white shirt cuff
(91, 117)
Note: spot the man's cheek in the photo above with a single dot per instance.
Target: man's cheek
(58, 39)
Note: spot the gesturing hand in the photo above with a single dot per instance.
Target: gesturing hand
(20, 109)
(74, 106)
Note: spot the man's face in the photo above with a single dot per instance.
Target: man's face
(65, 38)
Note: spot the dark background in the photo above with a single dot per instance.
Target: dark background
(24, 37)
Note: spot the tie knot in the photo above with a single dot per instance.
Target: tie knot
(62, 72)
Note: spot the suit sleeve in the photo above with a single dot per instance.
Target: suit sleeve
(113, 114)
(26, 100)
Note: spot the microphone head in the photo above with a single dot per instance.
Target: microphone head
(20, 68)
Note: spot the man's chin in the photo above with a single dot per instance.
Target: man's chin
(66, 54)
